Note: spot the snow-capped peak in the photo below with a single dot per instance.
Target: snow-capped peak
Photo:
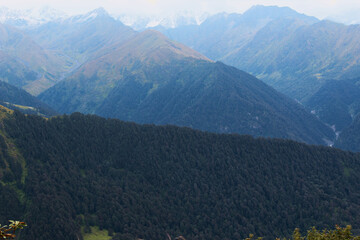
(99, 12)
(29, 17)
(168, 21)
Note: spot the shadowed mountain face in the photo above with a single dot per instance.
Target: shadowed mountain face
(16, 98)
(349, 139)
(150, 79)
(336, 103)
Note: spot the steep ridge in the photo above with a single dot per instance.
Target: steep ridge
(147, 181)
(150, 79)
(15, 98)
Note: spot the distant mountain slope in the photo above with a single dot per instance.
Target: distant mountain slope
(291, 52)
(81, 36)
(296, 59)
(29, 17)
(37, 57)
(151, 79)
(14, 71)
(224, 33)
(21, 54)
(73, 172)
(337, 102)
(15, 98)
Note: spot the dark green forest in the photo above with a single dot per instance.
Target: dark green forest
(146, 181)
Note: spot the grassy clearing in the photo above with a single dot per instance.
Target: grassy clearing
(21, 106)
(96, 234)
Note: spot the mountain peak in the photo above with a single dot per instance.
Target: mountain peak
(99, 12)
(275, 12)
(151, 44)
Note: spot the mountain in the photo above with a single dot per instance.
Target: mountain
(30, 17)
(70, 175)
(150, 79)
(37, 57)
(336, 103)
(223, 34)
(349, 138)
(15, 98)
(14, 71)
(81, 36)
(294, 53)
(182, 18)
(297, 59)
(26, 64)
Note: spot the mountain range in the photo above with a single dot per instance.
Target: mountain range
(26, 64)
(298, 55)
(68, 50)
(224, 33)
(292, 52)
(30, 17)
(81, 36)
(150, 79)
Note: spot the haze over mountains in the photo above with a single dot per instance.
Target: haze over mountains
(98, 65)
(296, 54)
(150, 79)
(73, 176)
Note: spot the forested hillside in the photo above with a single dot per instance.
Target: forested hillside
(143, 181)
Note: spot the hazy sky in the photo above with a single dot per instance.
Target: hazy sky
(349, 10)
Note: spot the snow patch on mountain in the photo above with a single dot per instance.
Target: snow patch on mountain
(99, 12)
(169, 21)
(29, 17)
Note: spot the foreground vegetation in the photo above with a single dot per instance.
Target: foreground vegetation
(8, 231)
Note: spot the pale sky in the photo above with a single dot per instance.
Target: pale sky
(348, 10)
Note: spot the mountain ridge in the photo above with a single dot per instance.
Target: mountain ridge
(150, 79)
